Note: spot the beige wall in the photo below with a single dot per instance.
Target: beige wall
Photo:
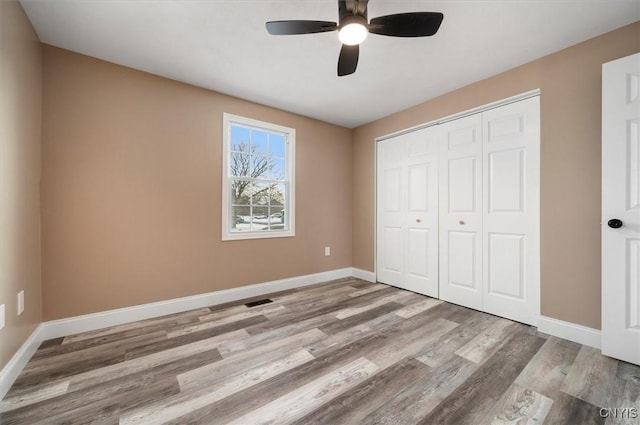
(20, 106)
(132, 189)
(570, 83)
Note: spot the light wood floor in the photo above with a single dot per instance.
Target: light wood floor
(344, 352)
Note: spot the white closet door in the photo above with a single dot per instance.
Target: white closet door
(460, 204)
(422, 212)
(621, 202)
(511, 180)
(390, 267)
(407, 229)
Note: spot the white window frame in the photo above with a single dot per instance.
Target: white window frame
(290, 140)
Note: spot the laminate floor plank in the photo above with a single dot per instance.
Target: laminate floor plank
(487, 342)
(128, 367)
(519, 406)
(167, 343)
(443, 349)
(624, 398)
(341, 352)
(308, 397)
(568, 410)
(259, 337)
(547, 371)
(413, 309)
(211, 374)
(591, 377)
(265, 392)
(337, 305)
(424, 394)
(44, 393)
(353, 406)
(471, 401)
(409, 343)
(388, 326)
(368, 289)
(186, 402)
(357, 319)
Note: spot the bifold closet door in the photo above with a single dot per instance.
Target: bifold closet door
(511, 181)
(407, 212)
(460, 204)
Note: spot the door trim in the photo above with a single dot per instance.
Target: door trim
(458, 115)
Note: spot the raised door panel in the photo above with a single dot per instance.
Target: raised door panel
(462, 185)
(511, 176)
(460, 211)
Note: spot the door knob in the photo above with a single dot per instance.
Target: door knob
(418, 220)
(461, 222)
(614, 223)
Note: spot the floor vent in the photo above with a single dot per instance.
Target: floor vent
(259, 302)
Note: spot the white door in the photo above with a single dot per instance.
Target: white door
(621, 201)
(460, 204)
(390, 267)
(407, 230)
(511, 201)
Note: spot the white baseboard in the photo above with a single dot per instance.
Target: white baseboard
(363, 274)
(571, 331)
(89, 322)
(10, 372)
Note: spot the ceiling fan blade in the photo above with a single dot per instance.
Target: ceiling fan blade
(417, 24)
(300, 27)
(348, 60)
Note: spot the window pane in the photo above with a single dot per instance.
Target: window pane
(260, 192)
(277, 219)
(260, 166)
(276, 169)
(240, 219)
(259, 143)
(276, 145)
(239, 138)
(240, 164)
(240, 192)
(278, 193)
(260, 219)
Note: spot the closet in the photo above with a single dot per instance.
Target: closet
(458, 210)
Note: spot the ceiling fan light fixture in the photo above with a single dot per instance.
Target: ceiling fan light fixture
(353, 30)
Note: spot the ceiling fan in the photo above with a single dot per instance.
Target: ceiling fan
(353, 28)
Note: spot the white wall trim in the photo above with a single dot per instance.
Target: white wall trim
(89, 322)
(571, 331)
(10, 372)
(462, 114)
(363, 274)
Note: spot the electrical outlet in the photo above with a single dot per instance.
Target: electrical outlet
(1, 316)
(20, 302)
(327, 251)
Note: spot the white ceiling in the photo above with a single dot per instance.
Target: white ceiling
(222, 45)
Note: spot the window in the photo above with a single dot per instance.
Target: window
(258, 179)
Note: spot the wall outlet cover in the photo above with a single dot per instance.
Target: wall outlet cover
(1, 316)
